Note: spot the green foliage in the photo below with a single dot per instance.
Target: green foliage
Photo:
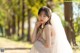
(35, 5)
(2, 16)
(77, 26)
(78, 39)
(14, 7)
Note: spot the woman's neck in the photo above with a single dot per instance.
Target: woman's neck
(42, 26)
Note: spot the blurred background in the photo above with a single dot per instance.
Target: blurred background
(18, 17)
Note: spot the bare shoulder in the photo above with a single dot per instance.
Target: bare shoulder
(48, 26)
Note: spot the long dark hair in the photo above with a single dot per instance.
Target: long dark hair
(47, 13)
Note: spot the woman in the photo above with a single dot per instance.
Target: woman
(47, 36)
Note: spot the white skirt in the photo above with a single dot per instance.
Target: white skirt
(38, 47)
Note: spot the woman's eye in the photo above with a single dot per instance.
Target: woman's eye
(44, 16)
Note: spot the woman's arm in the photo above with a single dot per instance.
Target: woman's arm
(48, 36)
(33, 36)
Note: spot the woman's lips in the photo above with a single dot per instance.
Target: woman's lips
(41, 20)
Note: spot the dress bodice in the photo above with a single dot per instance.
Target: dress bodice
(42, 34)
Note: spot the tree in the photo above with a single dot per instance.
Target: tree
(69, 20)
(18, 17)
(23, 17)
(50, 4)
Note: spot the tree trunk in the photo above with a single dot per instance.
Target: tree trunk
(1, 30)
(29, 26)
(18, 17)
(69, 19)
(23, 17)
(7, 30)
(13, 24)
(50, 4)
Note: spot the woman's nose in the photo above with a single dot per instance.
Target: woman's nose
(42, 17)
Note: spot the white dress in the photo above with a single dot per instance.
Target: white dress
(59, 42)
(38, 47)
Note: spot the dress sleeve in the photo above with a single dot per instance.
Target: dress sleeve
(48, 35)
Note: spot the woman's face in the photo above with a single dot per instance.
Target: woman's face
(42, 17)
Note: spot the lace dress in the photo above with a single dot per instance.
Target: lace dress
(38, 46)
(56, 47)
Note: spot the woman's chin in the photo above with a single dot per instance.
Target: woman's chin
(42, 23)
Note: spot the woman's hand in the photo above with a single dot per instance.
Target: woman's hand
(38, 24)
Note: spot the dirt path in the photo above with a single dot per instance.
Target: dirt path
(6, 43)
